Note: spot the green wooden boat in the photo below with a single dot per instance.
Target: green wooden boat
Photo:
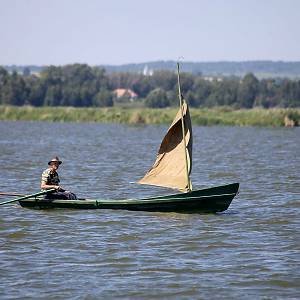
(171, 169)
(211, 200)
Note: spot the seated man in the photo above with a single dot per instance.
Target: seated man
(50, 180)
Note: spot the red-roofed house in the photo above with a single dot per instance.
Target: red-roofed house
(125, 93)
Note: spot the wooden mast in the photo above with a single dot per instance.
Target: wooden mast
(183, 130)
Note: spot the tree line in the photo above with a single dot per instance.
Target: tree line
(81, 85)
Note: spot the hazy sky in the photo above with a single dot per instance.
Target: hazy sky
(116, 32)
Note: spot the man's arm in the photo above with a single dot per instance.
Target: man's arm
(45, 186)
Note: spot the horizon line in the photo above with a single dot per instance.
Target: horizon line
(154, 61)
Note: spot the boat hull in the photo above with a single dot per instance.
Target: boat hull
(211, 200)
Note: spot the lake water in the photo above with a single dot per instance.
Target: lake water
(252, 251)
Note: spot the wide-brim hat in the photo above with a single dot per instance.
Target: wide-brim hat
(55, 159)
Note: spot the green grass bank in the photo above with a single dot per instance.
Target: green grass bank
(275, 117)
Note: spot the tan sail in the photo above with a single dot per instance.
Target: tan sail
(169, 169)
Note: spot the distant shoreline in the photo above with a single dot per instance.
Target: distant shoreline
(261, 68)
(275, 117)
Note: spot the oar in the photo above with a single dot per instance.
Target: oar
(12, 194)
(29, 196)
